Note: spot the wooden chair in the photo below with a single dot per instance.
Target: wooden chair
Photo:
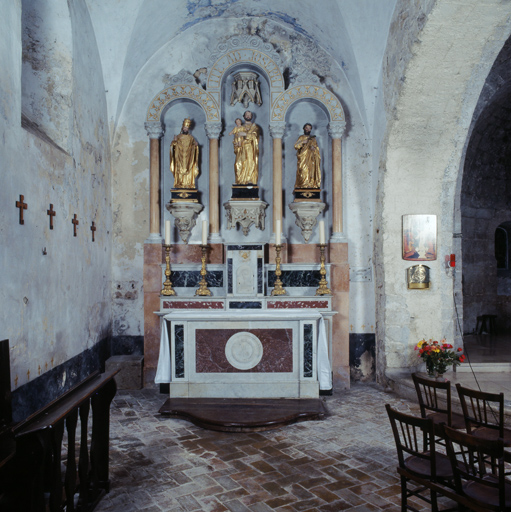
(478, 468)
(428, 470)
(484, 414)
(435, 403)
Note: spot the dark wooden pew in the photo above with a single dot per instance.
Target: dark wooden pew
(7, 444)
(49, 474)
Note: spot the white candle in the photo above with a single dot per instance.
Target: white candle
(167, 232)
(277, 232)
(321, 231)
(204, 232)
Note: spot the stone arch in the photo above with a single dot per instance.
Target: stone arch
(195, 93)
(425, 140)
(319, 94)
(250, 50)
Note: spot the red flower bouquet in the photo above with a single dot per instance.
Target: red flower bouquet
(439, 355)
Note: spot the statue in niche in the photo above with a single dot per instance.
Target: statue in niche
(245, 89)
(246, 150)
(308, 172)
(239, 132)
(184, 158)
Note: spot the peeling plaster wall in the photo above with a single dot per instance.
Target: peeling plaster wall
(451, 59)
(54, 287)
(47, 82)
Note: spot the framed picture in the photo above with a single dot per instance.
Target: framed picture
(419, 237)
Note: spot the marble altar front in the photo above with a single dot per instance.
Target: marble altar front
(249, 354)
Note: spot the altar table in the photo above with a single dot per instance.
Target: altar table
(251, 354)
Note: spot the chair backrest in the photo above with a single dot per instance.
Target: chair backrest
(412, 434)
(479, 461)
(433, 396)
(482, 409)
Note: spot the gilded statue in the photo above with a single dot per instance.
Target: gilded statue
(184, 158)
(308, 172)
(246, 150)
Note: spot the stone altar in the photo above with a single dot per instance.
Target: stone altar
(257, 354)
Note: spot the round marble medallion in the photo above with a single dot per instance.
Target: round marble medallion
(243, 350)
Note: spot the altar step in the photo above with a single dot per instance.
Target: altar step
(244, 415)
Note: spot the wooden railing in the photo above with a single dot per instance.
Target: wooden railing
(39, 480)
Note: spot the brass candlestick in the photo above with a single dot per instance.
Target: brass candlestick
(278, 289)
(203, 285)
(167, 285)
(323, 285)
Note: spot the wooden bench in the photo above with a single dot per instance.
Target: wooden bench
(7, 443)
(38, 479)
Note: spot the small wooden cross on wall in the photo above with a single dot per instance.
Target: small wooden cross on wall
(22, 206)
(75, 222)
(51, 212)
(93, 229)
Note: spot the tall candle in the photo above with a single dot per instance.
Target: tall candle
(321, 231)
(204, 232)
(277, 232)
(167, 232)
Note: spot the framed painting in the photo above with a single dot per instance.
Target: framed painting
(419, 237)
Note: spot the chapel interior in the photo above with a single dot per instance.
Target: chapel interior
(105, 253)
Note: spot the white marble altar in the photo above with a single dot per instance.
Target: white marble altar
(244, 354)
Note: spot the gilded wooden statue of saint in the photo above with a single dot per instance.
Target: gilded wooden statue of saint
(246, 150)
(184, 158)
(308, 172)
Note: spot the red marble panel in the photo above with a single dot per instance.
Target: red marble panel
(297, 304)
(169, 304)
(277, 350)
(191, 253)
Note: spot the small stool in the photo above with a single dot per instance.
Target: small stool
(131, 374)
(486, 323)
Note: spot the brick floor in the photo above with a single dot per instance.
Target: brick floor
(344, 462)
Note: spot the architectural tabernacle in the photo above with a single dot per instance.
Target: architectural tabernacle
(293, 155)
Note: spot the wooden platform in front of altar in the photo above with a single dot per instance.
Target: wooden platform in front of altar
(243, 415)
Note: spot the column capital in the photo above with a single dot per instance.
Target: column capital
(154, 129)
(277, 130)
(213, 130)
(336, 129)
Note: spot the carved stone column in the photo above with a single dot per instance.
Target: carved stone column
(277, 132)
(335, 130)
(213, 132)
(154, 132)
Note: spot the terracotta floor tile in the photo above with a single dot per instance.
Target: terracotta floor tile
(345, 462)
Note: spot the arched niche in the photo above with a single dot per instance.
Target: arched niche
(299, 113)
(315, 93)
(172, 120)
(179, 91)
(226, 152)
(249, 51)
